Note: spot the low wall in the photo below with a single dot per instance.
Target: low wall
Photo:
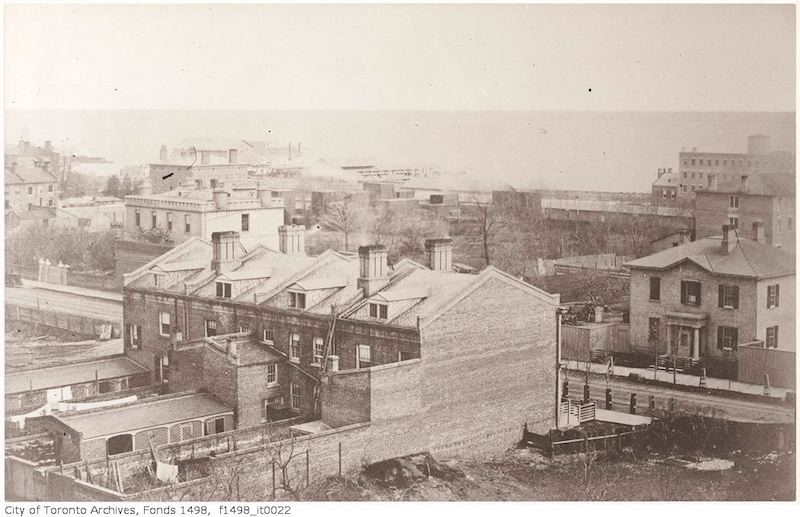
(101, 329)
(98, 282)
(755, 362)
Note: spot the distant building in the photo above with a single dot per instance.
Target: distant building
(757, 206)
(28, 184)
(707, 297)
(191, 211)
(697, 168)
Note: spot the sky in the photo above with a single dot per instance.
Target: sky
(582, 96)
(384, 57)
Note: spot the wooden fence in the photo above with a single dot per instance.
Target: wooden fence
(755, 363)
(553, 446)
(101, 329)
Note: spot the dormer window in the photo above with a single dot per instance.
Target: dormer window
(224, 290)
(297, 300)
(379, 311)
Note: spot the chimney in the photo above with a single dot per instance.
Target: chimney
(439, 254)
(758, 232)
(660, 172)
(745, 184)
(729, 239)
(264, 195)
(291, 240)
(225, 248)
(333, 363)
(163, 154)
(220, 196)
(145, 188)
(233, 156)
(205, 157)
(231, 349)
(373, 274)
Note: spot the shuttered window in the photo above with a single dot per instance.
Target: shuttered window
(728, 296)
(727, 338)
(690, 292)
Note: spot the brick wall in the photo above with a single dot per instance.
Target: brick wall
(346, 398)
(642, 308)
(494, 378)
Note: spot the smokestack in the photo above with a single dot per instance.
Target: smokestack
(373, 275)
(220, 196)
(729, 239)
(225, 249)
(439, 254)
(205, 157)
(163, 154)
(233, 156)
(291, 240)
(758, 232)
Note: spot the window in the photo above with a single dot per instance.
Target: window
(50, 188)
(693, 187)
(244, 328)
(728, 296)
(245, 222)
(223, 289)
(734, 201)
(716, 163)
(319, 349)
(773, 295)
(154, 219)
(772, 337)
(727, 338)
(156, 279)
(725, 162)
(363, 356)
(272, 374)
(169, 221)
(690, 292)
(692, 161)
(187, 225)
(700, 175)
(378, 310)
(138, 218)
(268, 335)
(30, 190)
(297, 300)
(294, 347)
(655, 288)
(164, 327)
(215, 426)
(653, 325)
(685, 175)
(733, 222)
(692, 175)
(50, 203)
(211, 328)
(404, 356)
(108, 386)
(673, 193)
(294, 395)
(134, 331)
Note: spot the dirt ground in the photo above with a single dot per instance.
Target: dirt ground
(525, 475)
(30, 346)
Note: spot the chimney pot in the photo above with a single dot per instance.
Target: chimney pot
(372, 267)
(729, 239)
(225, 251)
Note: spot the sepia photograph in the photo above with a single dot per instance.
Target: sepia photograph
(264, 254)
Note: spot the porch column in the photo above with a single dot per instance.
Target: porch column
(696, 345)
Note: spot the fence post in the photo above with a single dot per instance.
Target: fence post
(273, 480)
(586, 393)
(307, 462)
(552, 447)
(633, 404)
(608, 398)
(671, 405)
(586, 445)
(652, 404)
(565, 391)
(340, 458)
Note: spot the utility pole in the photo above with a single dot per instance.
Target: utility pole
(559, 312)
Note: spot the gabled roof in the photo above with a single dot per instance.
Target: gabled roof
(748, 259)
(22, 174)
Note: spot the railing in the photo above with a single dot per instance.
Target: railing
(576, 413)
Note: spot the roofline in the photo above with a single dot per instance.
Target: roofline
(138, 273)
(485, 275)
(717, 273)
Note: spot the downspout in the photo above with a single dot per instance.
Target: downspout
(559, 311)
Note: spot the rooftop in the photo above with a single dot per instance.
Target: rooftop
(762, 184)
(23, 173)
(748, 259)
(249, 350)
(67, 375)
(143, 414)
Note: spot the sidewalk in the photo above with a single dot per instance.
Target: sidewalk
(579, 367)
(79, 291)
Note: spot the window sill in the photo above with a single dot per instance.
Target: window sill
(294, 360)
(316, 364)
(654, 300)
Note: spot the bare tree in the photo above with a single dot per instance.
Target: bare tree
(491, 222)
(341, 217)
(592, 477)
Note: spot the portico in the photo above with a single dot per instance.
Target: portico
(686, 332)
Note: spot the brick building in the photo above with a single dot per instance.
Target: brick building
(208, 311)
(708, 296)
(761, 207)
(29, 184)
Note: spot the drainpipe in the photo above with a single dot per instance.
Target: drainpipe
(559, 312)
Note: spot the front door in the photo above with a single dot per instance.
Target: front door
(685, 343)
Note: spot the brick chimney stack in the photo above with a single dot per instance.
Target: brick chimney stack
(226, 248)
(373, 272)
(729, 239)
(292, 239)
(439, 254)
